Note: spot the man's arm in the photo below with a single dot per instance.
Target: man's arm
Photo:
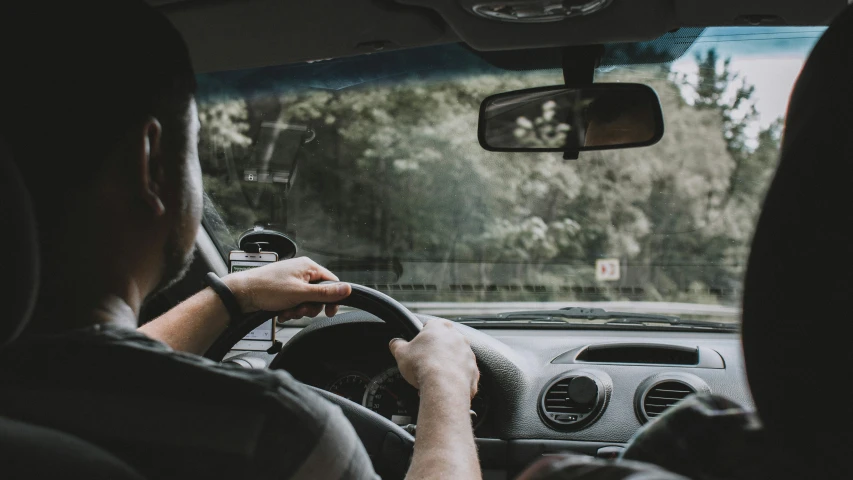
(284, 286)
(439, 362)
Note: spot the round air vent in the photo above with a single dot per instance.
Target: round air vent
(573, 401)
(659, 393)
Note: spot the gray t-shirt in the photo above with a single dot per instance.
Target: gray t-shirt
(175, 415)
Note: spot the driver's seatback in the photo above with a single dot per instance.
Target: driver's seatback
(26, 450)
(32, 452)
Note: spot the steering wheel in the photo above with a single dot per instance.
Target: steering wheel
(389, 446)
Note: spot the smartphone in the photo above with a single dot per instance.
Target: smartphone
(238, 261)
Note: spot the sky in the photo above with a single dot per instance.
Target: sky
(768, 57)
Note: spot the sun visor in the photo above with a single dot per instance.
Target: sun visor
(452, 59)
(667, 48)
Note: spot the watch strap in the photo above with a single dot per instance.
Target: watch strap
(225, 295)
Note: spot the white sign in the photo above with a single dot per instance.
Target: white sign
(607, 269)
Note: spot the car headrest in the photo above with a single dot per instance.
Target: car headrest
(19, 249)
(798, 291)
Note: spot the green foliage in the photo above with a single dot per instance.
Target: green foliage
(395, 170)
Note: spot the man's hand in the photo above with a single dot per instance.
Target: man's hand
(438, 353)
(286, 287)
(439, 362)
(283, 287)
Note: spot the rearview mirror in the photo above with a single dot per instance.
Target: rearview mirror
(571, 119)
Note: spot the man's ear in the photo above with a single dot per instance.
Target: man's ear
(149, 167)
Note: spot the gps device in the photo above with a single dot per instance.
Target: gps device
(239, 260)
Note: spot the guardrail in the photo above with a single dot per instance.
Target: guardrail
(457, 309)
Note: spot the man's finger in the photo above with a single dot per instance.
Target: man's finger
(318, 272)
(396, 344)
(312, 309)
(325, 293)
(331, 309)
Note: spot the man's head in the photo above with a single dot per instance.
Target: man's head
(99, 115)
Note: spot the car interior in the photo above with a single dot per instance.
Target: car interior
(557, 375)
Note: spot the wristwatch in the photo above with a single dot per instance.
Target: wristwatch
(225, 295)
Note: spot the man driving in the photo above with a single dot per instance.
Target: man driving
(100, 118)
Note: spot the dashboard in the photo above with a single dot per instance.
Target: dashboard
(541, 391)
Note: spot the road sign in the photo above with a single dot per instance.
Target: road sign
(607, 269)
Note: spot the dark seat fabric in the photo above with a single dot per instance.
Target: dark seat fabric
(20, 252)
(29, 451)
(704, 437)
(799, 283)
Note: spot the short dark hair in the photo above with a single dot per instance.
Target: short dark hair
(77, 76)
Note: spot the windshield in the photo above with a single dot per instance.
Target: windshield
(371, 165)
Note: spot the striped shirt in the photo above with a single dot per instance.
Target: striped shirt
(175, 415)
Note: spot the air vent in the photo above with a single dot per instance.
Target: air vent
(663, 396)
(661, 392)
(573, 401)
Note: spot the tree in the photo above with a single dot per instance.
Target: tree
(720, 90)
(395, 170)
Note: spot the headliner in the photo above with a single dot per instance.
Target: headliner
(237, 34)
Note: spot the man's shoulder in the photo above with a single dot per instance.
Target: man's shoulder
(183, 404)
(291, 428)
(182, 375)
(115, 361)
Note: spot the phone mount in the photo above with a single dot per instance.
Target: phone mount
(260, 239)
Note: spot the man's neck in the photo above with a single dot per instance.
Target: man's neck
(110, 273)
(62, 316)
(67, 303)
